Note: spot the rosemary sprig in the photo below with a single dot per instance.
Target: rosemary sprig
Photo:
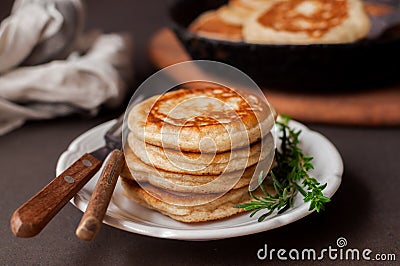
(289, 176)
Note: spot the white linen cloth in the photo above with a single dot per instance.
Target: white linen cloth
(39, 30)
(96, 73)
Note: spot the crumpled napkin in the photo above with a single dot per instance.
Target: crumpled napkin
(95, 73)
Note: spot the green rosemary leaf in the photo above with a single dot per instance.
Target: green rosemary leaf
(289, 176)
(262, 217)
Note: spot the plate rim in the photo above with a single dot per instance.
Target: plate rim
(210, 233)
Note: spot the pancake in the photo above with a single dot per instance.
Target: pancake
(210, 25)
(308, 22)
(235, 15)
(205, 117)
(181, 198)
(194, 151)
(237, 12)
(220, 208)
(201, 163)
(226, 22)
(252, 4)
(187, 183)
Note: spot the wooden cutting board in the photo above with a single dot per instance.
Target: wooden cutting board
(370, 107)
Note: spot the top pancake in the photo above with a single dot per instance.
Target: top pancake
(308, 21)
(205, 117)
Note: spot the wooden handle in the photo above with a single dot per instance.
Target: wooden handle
(29, 219)
(93, 217)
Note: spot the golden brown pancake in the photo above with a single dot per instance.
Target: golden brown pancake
(309, 21)
(219, 208)
(188, 183)
(235, 15)
(201, 163)
(226, 22)
(204, 118)
(211, 25)
(252, 4)
(192, 150)
(237, 12)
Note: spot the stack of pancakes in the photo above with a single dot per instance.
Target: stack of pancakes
(286, 22)
(192, 153)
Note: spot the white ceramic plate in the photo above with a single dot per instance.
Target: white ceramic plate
(128, 216)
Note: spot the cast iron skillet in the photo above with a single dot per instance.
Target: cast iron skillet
(325, 67)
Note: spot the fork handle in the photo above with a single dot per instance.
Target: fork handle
(29, 219)
(93, 217)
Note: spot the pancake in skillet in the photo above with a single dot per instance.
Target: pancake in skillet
(211, 25)
(226, 22)
(237, 12)
(308, 22)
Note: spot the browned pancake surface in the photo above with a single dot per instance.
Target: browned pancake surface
(203, 117)
(211, 25)
(207, 115)
(322, 17)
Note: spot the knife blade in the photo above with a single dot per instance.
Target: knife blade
(31, 217)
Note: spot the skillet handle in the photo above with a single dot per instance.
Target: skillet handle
(29, 219)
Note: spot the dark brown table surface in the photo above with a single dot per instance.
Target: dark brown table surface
(365, 210)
